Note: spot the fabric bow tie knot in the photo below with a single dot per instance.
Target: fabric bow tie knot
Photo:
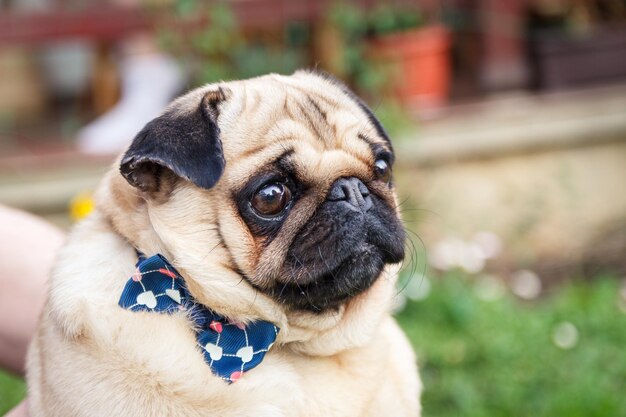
(230, 349)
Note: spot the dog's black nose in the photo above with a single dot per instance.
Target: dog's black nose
(352, 191)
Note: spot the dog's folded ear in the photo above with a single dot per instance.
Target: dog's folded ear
(183, 141)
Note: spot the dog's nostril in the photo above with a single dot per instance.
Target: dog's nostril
(351, 190)
(363, 189)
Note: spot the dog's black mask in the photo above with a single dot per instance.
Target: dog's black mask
(341, 250)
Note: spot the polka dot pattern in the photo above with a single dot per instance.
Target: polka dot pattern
(229, 348)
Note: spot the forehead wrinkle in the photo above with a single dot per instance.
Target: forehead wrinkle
(332, 100)
(300, 107)
(360, 122)
(328, 130)
(321, 169)
(337, 99)
(286, 141)
(294, 128)
(304, 87)
(346, 133)
(248, 165)
(372, 132)
(245, 97)
(374, 142)
(358, 112)
(364, 162)
(339, 128)
(250, 140)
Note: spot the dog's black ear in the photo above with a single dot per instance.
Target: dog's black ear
(185, 142)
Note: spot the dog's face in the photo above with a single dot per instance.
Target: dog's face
(280, 187)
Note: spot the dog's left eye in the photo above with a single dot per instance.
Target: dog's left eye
(382, 170)
(271, 199)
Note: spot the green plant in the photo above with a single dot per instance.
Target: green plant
(357, 27)
(218, 49)
(355, 64)
(386, 18)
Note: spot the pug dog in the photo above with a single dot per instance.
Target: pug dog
(241, 261)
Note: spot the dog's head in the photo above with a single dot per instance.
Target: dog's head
(272, 196)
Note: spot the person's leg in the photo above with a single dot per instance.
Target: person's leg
(27, 250)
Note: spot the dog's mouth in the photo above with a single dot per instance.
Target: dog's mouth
(329, 288)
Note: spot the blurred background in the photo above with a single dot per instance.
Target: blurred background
(509, 124)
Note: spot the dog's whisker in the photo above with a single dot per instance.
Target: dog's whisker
(283, 288)
(302, 291)
(211, 251)
(414, 264)
(330, 271)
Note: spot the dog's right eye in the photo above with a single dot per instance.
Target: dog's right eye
(271, 199)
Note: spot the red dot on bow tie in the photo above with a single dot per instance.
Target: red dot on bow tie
(216, 326)
(168, 273)
(235, 375)
(136, 275)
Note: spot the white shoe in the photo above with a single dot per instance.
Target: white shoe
(149, 82)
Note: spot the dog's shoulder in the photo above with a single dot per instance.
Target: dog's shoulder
(88, 274)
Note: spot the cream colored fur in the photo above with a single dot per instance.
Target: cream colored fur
(93, 358)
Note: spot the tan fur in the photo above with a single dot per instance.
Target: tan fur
(93, 358)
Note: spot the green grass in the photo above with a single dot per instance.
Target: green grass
(12, 391)
(497, 358)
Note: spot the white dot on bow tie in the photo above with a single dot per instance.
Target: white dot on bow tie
(245, 353)
(215, 352)
(173, 294)
(147, 298)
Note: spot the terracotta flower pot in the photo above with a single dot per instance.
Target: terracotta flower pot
(420, 62)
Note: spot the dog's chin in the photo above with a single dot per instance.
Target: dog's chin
(328, 289)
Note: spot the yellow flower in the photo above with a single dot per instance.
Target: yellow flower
(81, 205)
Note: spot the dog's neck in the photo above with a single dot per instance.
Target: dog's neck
(317, 334)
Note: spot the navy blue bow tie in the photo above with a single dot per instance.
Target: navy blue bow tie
(230, 349)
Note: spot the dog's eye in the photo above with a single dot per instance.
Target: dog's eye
(271, 199)
(382, 170)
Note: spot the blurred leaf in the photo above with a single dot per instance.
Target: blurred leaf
(186, 8)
